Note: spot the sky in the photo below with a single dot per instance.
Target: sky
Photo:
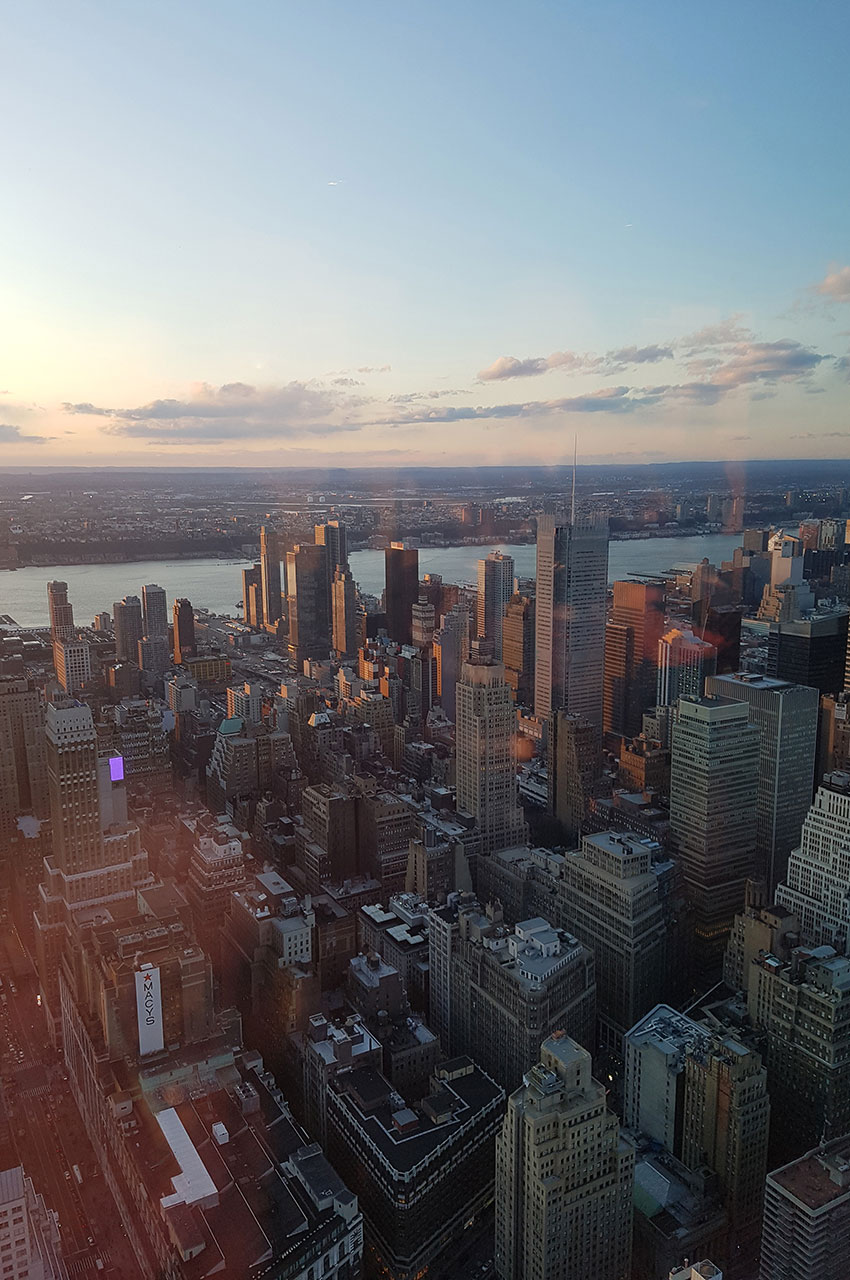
(251, 234)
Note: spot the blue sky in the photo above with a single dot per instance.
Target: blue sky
(271, 233)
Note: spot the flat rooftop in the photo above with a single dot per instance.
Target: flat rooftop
(818, 1179)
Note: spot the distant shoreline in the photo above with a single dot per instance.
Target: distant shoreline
(619, 535)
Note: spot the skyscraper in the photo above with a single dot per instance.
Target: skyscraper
(631, 656)
(713, 788)
(812, 651)
(720, 625)
(23, 764)
(270, 574)
(401, 591)
(486, 755)
(572, 584)
(451, 649)
(610, 897)
(155, 611)
(495, 588)
(29, 1231)
(575, 764)
(184, 632)
(97, 855)
(817, 881)
(563, 1175)
(684, 662)
(786, 716)
(495, 991)
(345, 618)
(802, 1006)
(700, 1092)
(308, 602)
(72, 664)
(61, 612)
(252, 596)
(333, 534)
(127, 624)
(518, 647)
(423, 623)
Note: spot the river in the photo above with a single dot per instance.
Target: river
(217, 584)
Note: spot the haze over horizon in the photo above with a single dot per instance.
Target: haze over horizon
(338, 237)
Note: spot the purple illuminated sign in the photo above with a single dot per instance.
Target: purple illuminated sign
(116, 768)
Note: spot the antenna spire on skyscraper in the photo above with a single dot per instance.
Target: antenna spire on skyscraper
(575, 460)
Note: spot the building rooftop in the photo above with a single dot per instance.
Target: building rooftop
(819, 1178)
(11, 1185)
(404, 1137)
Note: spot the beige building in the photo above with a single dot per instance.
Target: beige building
(563, 1175)
(817, 884)
(72, 664)
(486, 755)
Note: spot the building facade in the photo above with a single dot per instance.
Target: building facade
(563, 1175)
(570, 615)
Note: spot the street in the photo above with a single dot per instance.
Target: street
(48, 1132)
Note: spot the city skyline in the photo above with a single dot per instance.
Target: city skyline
(437, 271)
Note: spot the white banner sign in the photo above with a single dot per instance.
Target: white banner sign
(149, 1010)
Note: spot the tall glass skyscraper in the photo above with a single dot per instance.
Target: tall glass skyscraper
(572, 583)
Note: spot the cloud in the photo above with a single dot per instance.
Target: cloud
(607, 400)
(411, 397)
(819, 435)
(835, 285)
(637, 355)
(14, 435)
(726, 333)
(511, 367)
(612, 362)
(721, 334)
(780, 361)
(235, 410)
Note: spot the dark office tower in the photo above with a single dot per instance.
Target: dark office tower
(252, 595)
(345, 631)
(518, 647)
(127, 624)
(23, 764)
(402, 590)
(713, 793)
(631, 656)
(720, 625)
(812, 651)
(309, 617)
(270, 574)
(495, 588)
(786, 716)
(572, 590)
(155, 611)
(756, 540)
(61, 612)
(333, 535)
(184, 632)
(575, 764)
(684, 662)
